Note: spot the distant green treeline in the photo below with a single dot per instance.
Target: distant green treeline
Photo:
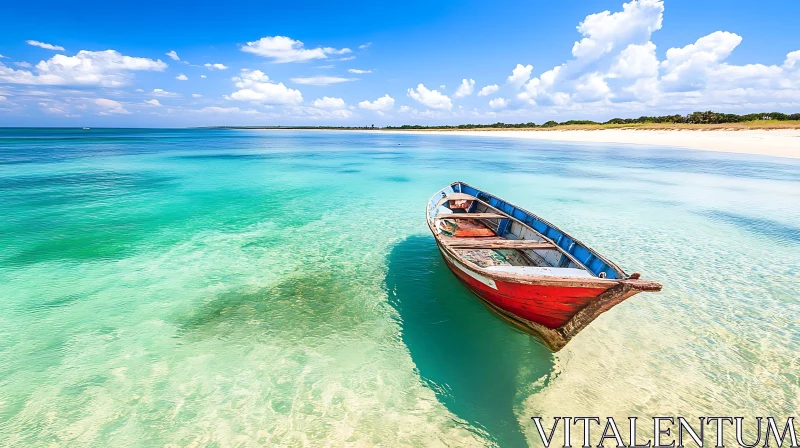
(692, 118)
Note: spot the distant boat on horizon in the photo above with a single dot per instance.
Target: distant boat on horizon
(525, 269)
(86, 129)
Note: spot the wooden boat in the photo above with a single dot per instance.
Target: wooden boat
(527, 270)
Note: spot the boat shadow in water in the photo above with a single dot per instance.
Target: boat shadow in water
(479, 366)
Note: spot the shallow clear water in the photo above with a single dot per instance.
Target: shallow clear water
(246, 288)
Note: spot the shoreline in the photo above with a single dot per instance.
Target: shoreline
(776, 142)
(773, 142)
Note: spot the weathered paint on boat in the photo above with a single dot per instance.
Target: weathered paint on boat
(552, 307)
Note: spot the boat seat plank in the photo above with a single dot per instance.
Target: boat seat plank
(468, 216)
(493, 243)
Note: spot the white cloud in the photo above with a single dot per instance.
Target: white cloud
(791, 60)
(689, 67)
(36, 43)
(614, 45)
(636, 61)
(3, 57)
(153, 102)
(23, 64)
(604, 31)
(591, 87)
(255, 86)
(106, 68)
(382, 104)
(110, 107)
(498, 103)
(465, 89)
(519, 75)
(283, 49)
(364, 46)
(182, 77)
(321, 80)
(358, 72)
(196, 95)
(431, 98)
(325, 66)
(172, 54)
(329, 103)
(348, 58)
(488, 90)
(203, 76)
(318, 114)
(225, 110)
(211, 66)
(162, 92)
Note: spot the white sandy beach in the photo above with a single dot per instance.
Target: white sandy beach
(777, 142)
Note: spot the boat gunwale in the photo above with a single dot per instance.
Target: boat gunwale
(594, 282)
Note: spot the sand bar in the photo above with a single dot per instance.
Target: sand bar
(774, 142)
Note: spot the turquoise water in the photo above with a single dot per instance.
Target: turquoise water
(250, 288)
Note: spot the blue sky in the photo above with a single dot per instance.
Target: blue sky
(356, 63)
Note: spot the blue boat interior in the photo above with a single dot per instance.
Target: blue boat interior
(570, 255)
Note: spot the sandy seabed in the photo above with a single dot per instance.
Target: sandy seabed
(777, 142)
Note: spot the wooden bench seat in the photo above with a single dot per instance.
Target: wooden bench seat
(496, 243)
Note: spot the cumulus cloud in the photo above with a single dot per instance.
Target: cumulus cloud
(196, 95)
(110, 107)
(211, 66)
(688, 68)
(430, 98)
(182, 77)
(498, 103)
(635, 61)
(282, 49)
(615, 64)
(203, 76)
(519, 75)
(329, 103)
(106, 68)
(614, 45)
(488, 90)
(358, 72)
(364, 46)
(36, 43)
(162, 92)
(255, 86)
(321, 80)
(465, 89)
(153, 102)
(604, 31)
(382, 104)
(24, 64)
(172, 54)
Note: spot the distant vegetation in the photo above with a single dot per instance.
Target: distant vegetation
(692, 118)
(766, 120)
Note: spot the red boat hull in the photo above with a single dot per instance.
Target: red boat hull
(550, 306)
(542, 310)
(552, 303)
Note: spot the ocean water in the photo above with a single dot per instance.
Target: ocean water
(251, 288)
